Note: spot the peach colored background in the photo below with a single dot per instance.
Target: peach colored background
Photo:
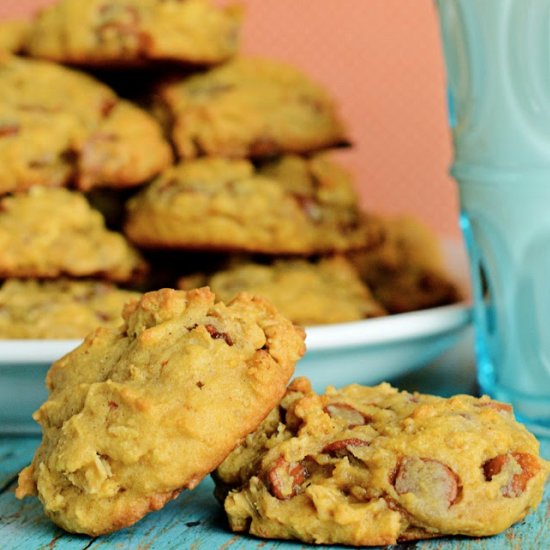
(382, 61)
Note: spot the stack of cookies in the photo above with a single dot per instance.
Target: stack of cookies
(193, 166)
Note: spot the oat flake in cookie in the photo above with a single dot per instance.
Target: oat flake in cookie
(373, 466)
(136, 414)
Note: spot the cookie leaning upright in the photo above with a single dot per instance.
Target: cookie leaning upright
(249, 108)
(136, 414)
(135, 32)
(61, 126)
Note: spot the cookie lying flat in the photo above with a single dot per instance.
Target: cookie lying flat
(59, 126)
(135, 415)
(221, 204)
(373, 466)
(405, 269)
(47, 233)
(59, 308)
(130, 32)
(307, 292)
(249, 108)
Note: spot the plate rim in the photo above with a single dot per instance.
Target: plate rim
(391, 329)
(387, 330)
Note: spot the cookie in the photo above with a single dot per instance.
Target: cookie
(136, 414)
(222, 204)
(249, 108)
(405, 270)
(60, 126)
(133, 32)
(13, 34)
(373, 466)
(307, 292)
(58, 309)
(47, 233)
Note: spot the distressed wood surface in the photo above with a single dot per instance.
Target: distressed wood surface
(195, 521)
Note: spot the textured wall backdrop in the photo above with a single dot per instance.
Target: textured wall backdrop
(382, 61)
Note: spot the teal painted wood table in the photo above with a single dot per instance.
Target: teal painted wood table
(195, 521)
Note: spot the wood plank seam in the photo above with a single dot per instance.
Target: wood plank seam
(7, 485)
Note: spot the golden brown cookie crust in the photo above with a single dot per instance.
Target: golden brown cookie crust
(135, 32)
(61, 126)
(48, 233)
(374, 466)
(135, 415)
(222, 204)
(250, 108)
(61, 308)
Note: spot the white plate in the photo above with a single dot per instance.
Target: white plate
(374, 350)
(364, 352)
